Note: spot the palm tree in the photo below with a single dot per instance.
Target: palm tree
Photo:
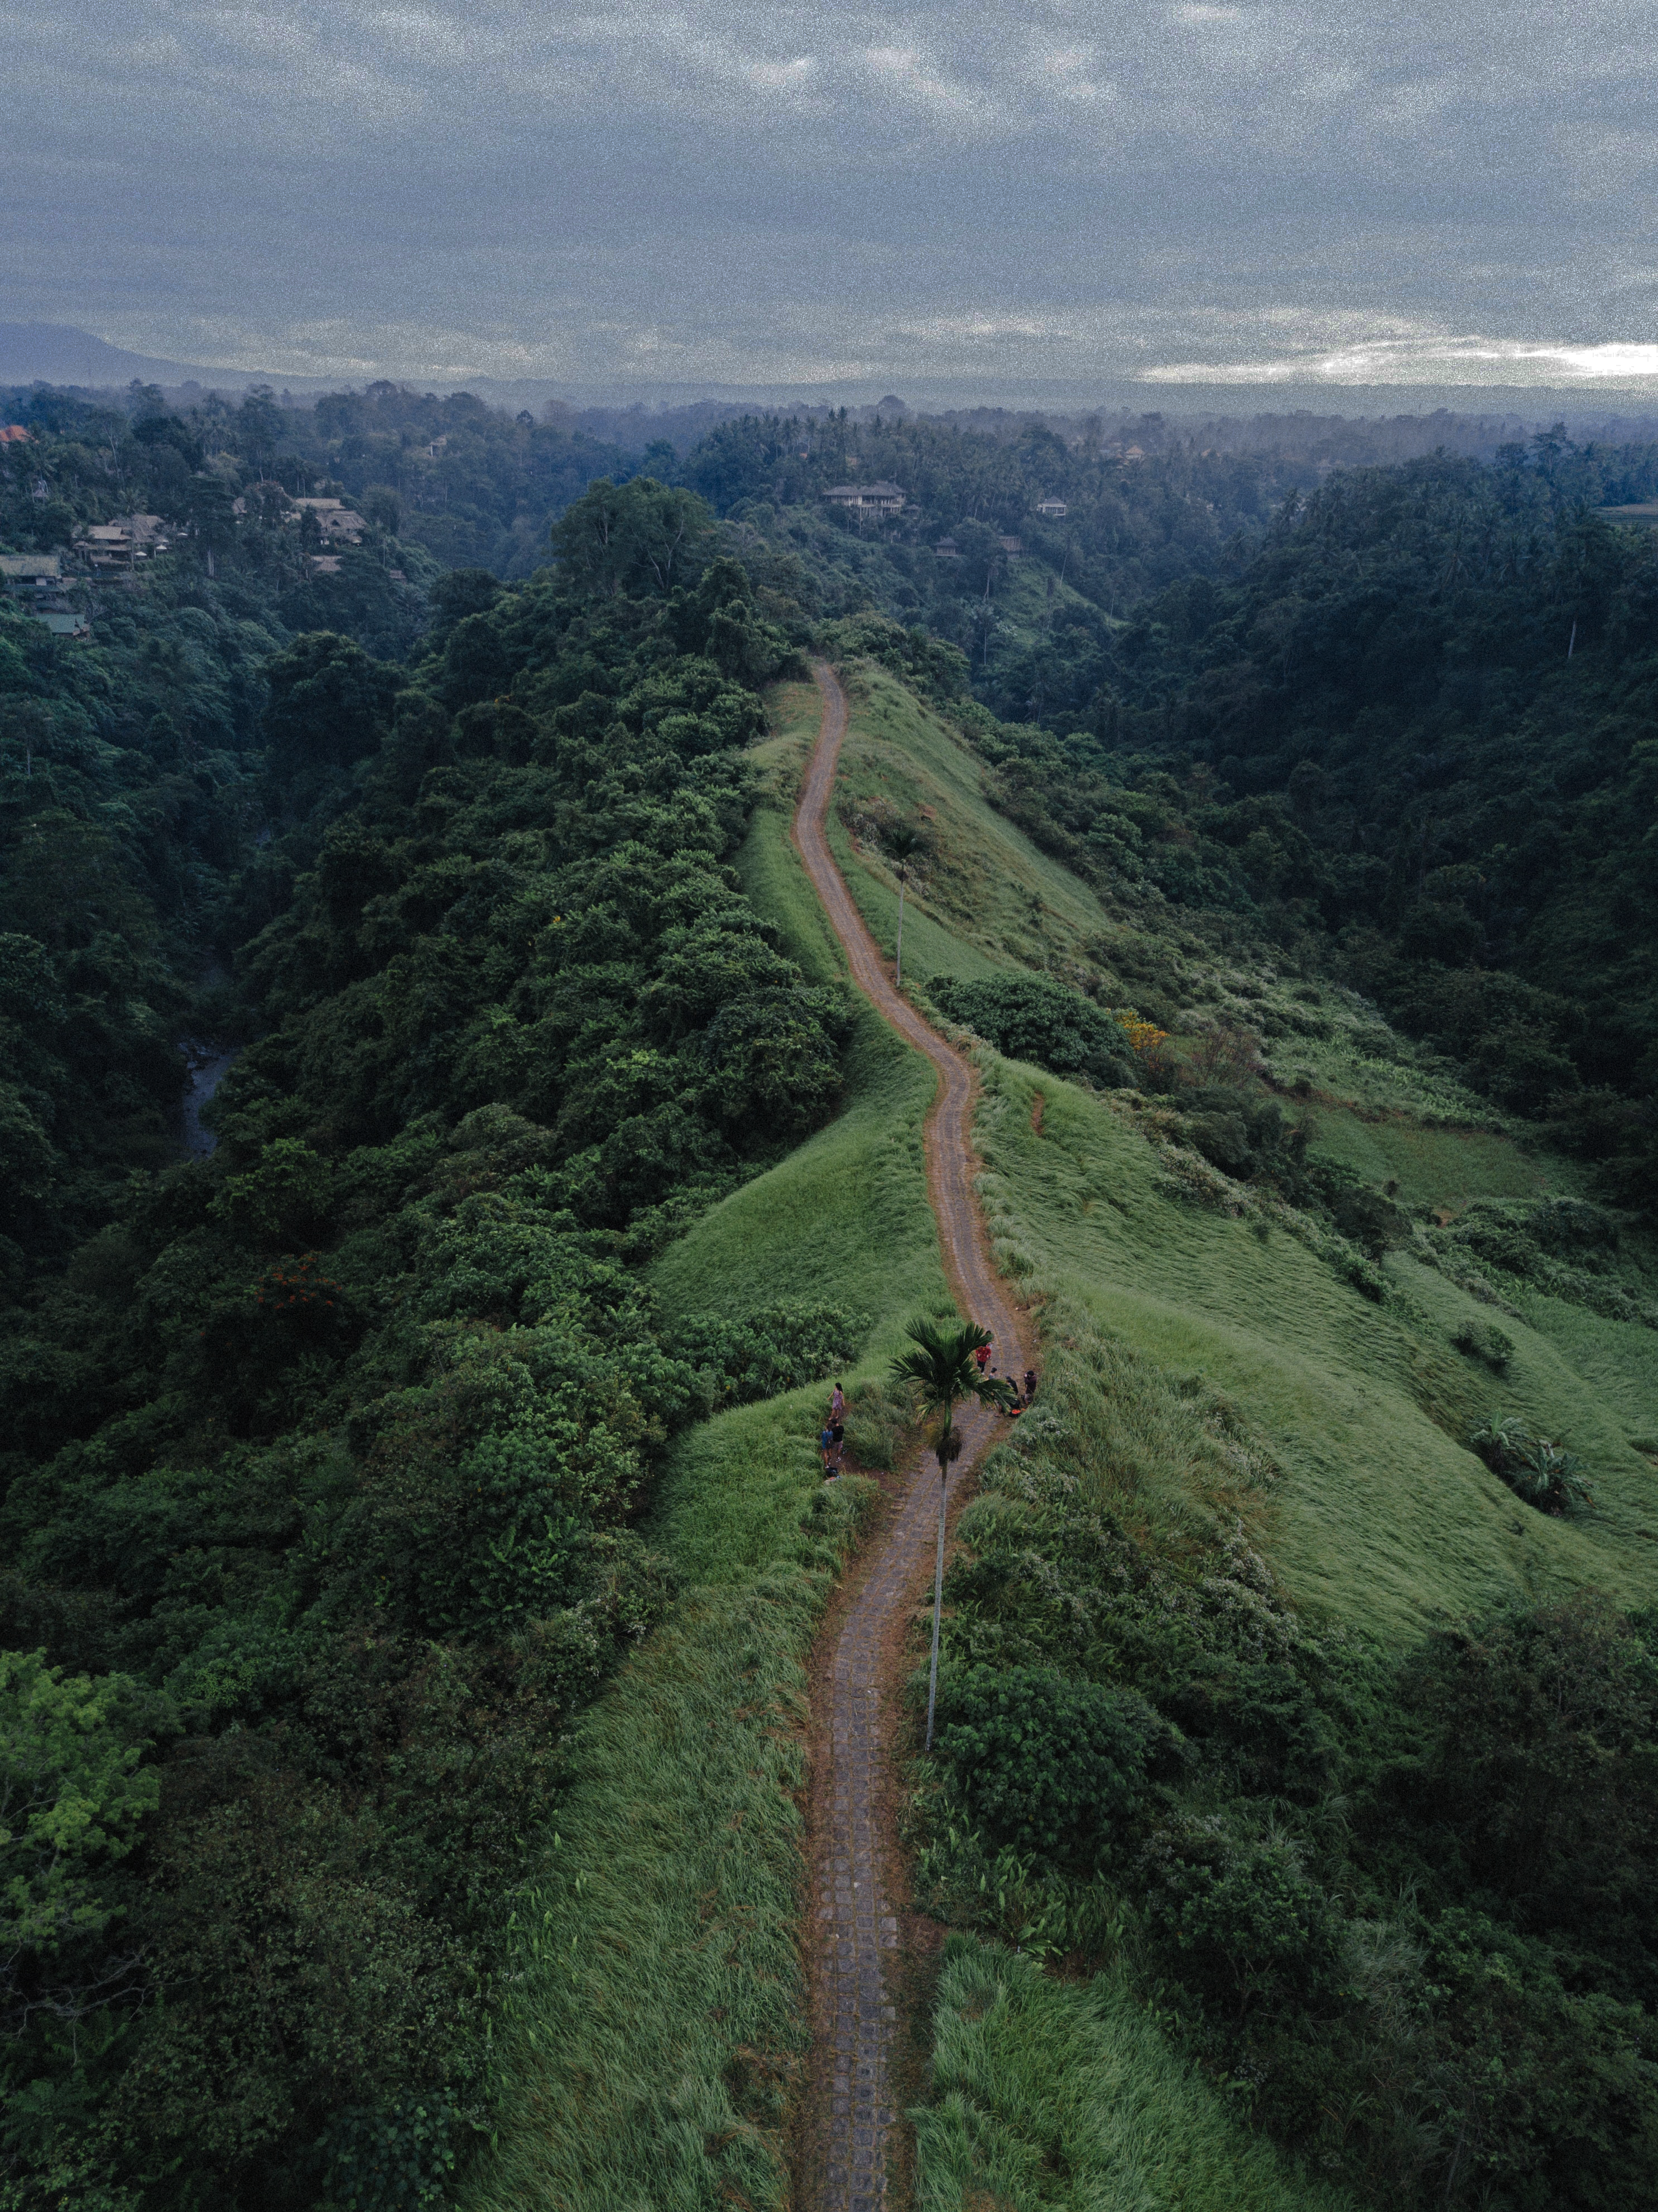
(941, 1372)
(903, 842)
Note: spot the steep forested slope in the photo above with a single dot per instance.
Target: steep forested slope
(322, 1455)
(1408, 737)
(136, 784)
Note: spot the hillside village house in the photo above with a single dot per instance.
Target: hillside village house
(1055, 510)
(111, 547)
(867, 499)
(13, 434)
(35, 583)
(338, 523)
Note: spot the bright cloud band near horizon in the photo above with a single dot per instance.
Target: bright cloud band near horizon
(1429, 360)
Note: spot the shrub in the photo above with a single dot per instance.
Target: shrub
(1246, 1136)
(1238, 1920)
(774, 1349)
(1543, 1473)
(1045, 1763)
(1030, 1018)
(1481, 1341)
(393, 2160)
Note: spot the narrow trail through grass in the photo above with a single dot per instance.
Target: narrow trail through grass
(855, 1930)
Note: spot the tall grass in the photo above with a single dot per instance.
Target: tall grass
(1054, 2095)
(1376, 1513)
(658, 2021)
(987, 900)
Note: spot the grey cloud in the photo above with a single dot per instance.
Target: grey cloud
(757, 193)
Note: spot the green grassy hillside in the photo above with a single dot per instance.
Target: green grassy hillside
(984, 899)
(853, 1201)
(662, 2002)
(1378, 1512)
(845, 1216)
(1269, 1422)
(1021, 2060)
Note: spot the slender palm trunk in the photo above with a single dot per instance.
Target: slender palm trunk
(938, 1603)
(900, 976)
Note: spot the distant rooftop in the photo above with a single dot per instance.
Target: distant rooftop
(889, 497)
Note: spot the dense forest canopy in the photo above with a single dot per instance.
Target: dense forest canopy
(323, 1453)
(324, 1456)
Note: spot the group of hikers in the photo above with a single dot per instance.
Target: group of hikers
(833, 1440)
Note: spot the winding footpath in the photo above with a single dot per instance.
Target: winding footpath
(857, 1928)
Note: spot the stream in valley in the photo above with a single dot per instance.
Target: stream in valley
(207, 1065)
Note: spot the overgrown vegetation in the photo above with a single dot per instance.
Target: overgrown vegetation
(324, 1455)
(1051, 2094)
(1393, 1901)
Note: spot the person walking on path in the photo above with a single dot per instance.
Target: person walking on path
(831, 1452)
(837, 1423)
(981, 1355)
(1030, 1384)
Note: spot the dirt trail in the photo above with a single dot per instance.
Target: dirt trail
(856, 1930)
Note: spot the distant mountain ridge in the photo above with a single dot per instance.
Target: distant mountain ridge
(57, 353)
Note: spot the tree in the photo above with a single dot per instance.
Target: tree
(330, 704)
(640, 537)
(71, 1801)
(941, 1371)
(903, 841)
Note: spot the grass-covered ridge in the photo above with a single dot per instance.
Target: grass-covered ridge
(1209, 1719)
(658, 2026)
(1377, 1512)
(983, 899)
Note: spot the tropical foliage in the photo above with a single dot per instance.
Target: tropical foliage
(324, 1453)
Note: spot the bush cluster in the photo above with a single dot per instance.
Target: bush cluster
(1032, 1017)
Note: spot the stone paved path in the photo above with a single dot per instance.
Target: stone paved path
(856, 1927)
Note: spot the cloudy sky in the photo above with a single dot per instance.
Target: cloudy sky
(720, 192)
